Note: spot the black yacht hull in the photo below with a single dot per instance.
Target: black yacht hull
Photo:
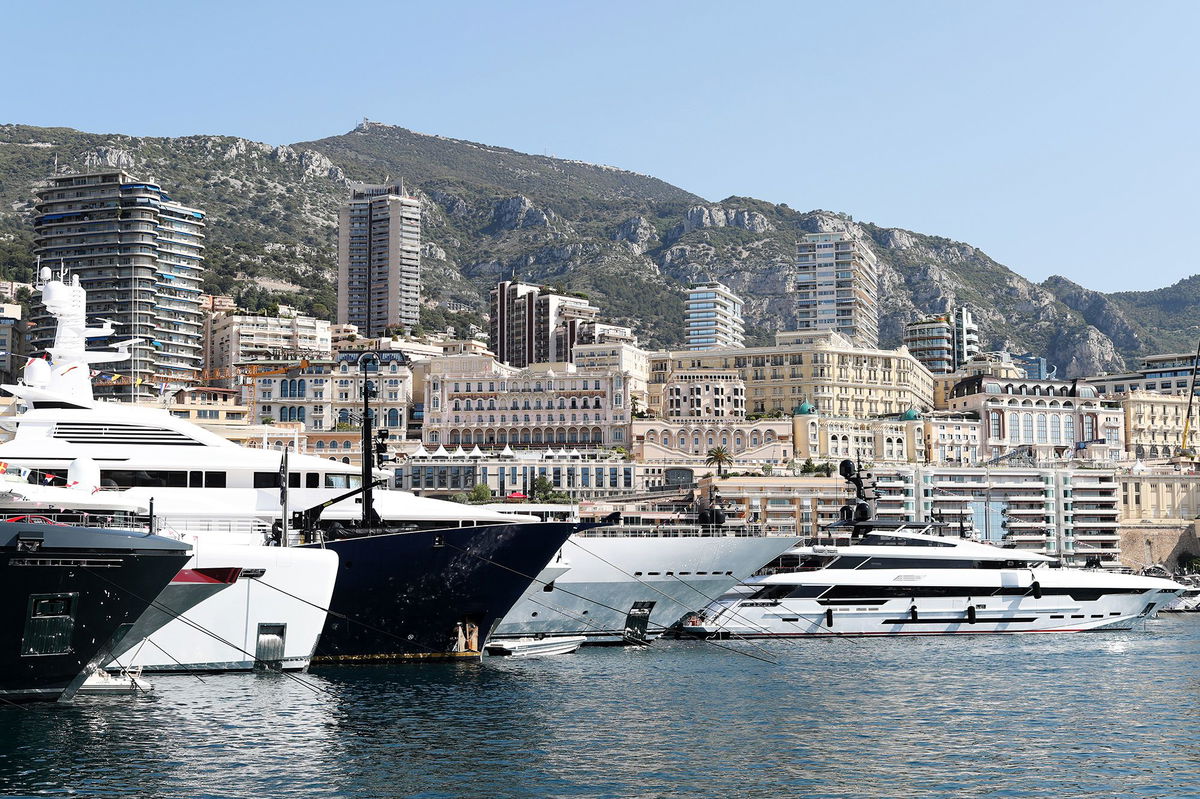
(68, 595)
(431, 594)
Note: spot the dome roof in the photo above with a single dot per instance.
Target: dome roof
(804, 409)
(911, 415)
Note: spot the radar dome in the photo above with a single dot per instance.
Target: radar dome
(37, 373)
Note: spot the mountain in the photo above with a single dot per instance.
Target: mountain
(630, 242)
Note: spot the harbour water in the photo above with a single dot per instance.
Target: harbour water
(1099, 715)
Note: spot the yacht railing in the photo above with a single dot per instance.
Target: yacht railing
(689, 531)
(76, 519)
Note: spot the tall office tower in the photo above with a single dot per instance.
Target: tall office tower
(531, 324)
(379, 259)
(837, 287)
(943, 342)
(713, 318)
(139, 255)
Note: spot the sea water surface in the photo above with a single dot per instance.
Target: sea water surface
(1102, 715)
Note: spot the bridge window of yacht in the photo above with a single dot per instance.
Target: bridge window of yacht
(919, 563)
(879, 540)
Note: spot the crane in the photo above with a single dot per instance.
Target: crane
(1186, 451)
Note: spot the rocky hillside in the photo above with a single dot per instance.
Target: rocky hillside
(630, 242)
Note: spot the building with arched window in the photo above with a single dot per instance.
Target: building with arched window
(1047, 420)
(473, 400)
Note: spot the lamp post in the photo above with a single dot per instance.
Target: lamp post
(368, 504)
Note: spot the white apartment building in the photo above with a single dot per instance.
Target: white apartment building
(712, 317)
(232, 339)
(379, 259)
(837, 287)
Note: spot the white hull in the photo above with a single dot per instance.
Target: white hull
(222, 633)
(608, 574)
(1052, 612)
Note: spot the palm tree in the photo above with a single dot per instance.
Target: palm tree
(719, 457)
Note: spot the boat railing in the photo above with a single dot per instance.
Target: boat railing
(689, 531)
(75, 519)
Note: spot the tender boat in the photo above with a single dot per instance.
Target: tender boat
(534, 647)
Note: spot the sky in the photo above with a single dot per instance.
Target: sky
(1058, 137)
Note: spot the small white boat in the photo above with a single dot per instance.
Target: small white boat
(530, 647)
(128, 681)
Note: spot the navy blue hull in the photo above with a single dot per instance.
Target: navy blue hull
(67, 595)
(431, 595)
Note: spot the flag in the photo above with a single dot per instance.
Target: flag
(283, 478)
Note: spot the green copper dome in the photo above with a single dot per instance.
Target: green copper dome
(911, 415)
(804, 409)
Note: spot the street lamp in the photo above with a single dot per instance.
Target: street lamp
(369, 517)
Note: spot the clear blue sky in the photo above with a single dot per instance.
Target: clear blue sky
(1059, 137)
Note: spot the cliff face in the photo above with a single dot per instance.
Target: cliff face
(630, 242)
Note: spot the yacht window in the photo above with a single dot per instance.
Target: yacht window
(847, 562)
(214, 479)
(312, 480)
(918, 563)
(124, 478)
(807, 591)
(293, 480)
(772, 592)
(880, 540)
(266, 479)
(195, 479)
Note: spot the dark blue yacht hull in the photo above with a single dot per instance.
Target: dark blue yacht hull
(68, 594)
(431, 594)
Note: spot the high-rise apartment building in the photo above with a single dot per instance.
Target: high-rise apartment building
(943, 342)
(379, 259)
(713, 318)
(837, 287)
(530, 324)
(139, 256)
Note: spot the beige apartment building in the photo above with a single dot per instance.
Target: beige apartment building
(1154, 423)
(825, 369)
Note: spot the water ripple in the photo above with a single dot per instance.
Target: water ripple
(1029, 716)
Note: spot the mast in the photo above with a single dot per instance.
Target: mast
(1184, 450)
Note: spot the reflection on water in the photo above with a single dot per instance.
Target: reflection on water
(1046, 716)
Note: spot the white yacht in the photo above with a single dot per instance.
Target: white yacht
(627, 582)
(901, 578)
